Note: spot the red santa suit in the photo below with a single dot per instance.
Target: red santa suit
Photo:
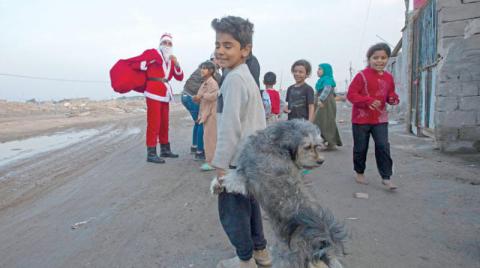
(158, 92)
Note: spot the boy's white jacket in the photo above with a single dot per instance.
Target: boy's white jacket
(242, 115)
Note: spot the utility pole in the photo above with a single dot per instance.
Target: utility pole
(351, 72)
(407, 5)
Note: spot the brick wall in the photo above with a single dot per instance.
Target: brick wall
(457, 109)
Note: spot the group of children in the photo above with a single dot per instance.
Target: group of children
(303, 102)
(230, 113)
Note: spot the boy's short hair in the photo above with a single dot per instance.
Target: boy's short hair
(304, 63)
(240, 29)
(269, 78)
(377, 47)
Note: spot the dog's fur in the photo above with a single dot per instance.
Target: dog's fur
(269, 167)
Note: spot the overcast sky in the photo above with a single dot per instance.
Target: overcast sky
(81, 40)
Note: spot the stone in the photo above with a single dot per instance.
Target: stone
(470, 103)
(361, 195)
(446, 103)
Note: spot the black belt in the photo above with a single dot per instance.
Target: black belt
(164, 80)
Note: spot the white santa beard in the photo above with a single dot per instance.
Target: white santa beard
(166, 52)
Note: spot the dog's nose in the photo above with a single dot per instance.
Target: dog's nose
(320, 161)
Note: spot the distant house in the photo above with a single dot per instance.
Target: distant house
(438, 71)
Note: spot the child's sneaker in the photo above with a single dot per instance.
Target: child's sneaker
(262, 257)
(206, 167)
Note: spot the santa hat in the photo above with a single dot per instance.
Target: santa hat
(166, 37)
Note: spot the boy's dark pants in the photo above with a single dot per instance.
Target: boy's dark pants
(242, 221)
(361, 136)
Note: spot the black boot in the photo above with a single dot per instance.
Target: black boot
(153, 157)
(199, 156)
(166, 152)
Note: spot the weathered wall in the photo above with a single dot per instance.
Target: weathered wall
(457, 109)
(397, 68)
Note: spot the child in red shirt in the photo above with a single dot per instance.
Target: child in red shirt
(370, 92)
(269, 80)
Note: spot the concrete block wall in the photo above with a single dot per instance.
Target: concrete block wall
(457, 109)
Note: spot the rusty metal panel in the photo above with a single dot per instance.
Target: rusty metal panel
(424, 60)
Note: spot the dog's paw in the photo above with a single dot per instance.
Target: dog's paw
(216, 186)
(234, 183)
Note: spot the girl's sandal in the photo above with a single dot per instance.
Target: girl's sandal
(390, 186)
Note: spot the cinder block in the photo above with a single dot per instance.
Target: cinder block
(470, 133)
(448, 3)
(458, 147)
(448, 88)
(469, 89)
(469, 103)
(462, 12)
(472, 28)
(447, 42)
(446, 133)
(456, 119)
(444, 104)
(452, 29)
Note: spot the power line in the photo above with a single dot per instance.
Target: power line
(52, 79)
(365, 24)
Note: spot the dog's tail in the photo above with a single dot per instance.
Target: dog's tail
(318, 228)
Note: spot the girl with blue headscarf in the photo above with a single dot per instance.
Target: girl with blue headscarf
(326, 107)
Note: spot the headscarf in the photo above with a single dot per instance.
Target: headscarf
(166, 50)
(326, 79)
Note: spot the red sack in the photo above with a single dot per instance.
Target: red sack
(125, 78)
(126, 75)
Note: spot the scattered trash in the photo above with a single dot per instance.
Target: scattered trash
(352, 218)
(84, 114)
(361, 195)
(80, 224)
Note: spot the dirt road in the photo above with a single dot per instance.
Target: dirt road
(98, 203)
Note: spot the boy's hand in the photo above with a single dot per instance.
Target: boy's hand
(286, 110)
(320, 104)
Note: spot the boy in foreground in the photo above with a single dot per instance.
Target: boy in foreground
(240, 113)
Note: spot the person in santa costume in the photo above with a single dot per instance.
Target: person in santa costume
(160, 67)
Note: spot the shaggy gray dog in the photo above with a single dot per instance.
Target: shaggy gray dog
(269, 167)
